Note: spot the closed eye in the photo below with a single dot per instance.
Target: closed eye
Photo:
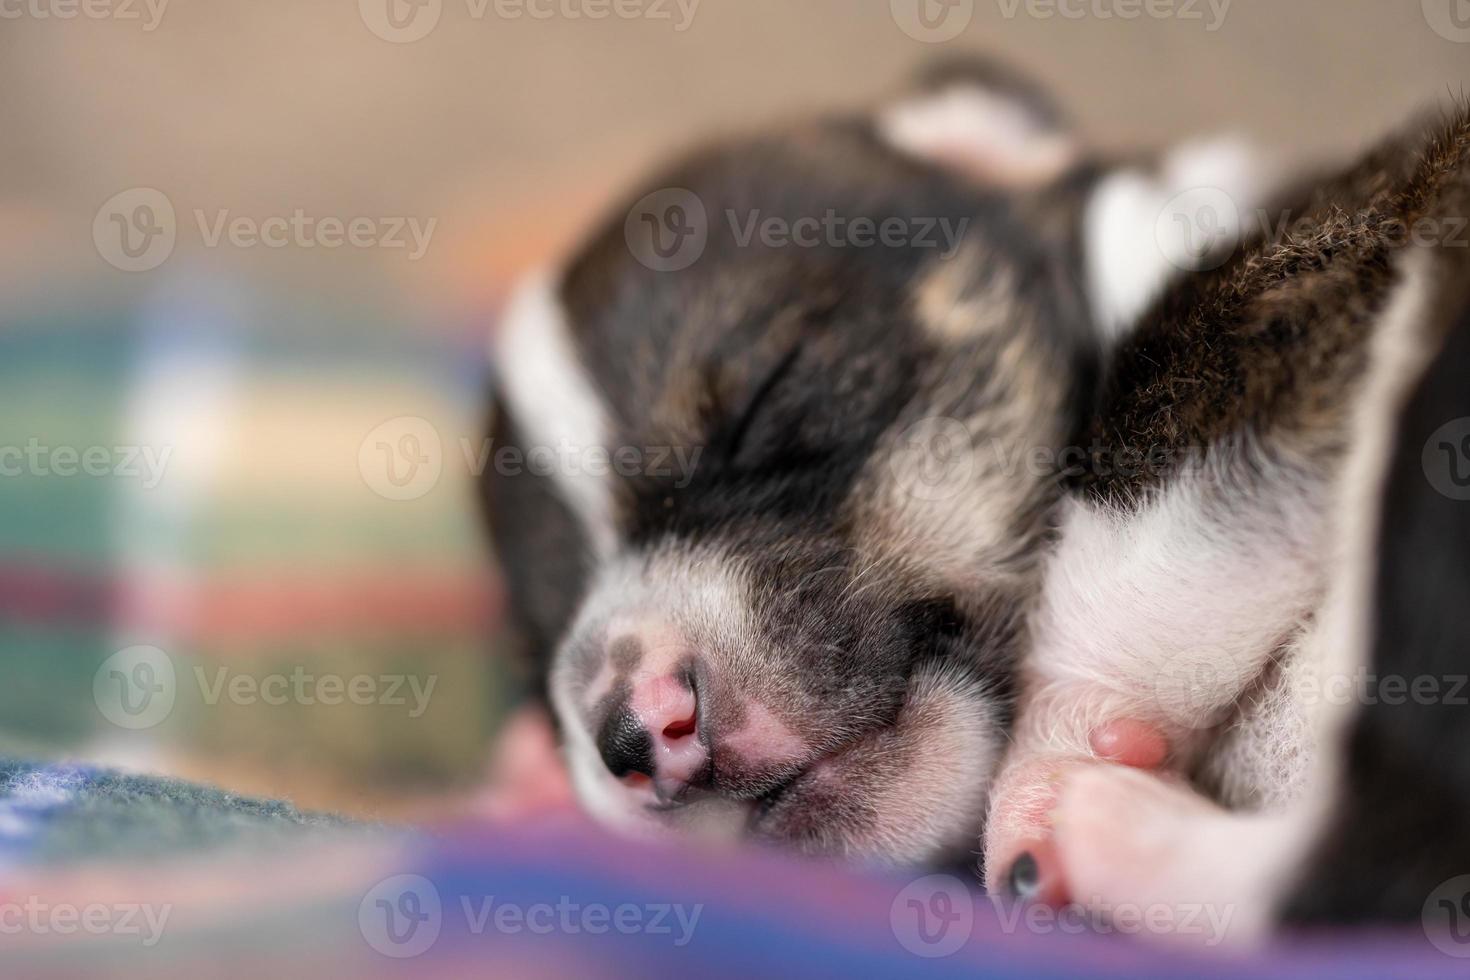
(750, 412)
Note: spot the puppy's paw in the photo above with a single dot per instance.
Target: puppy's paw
(1019, 860)
(1135, 847)
(1019, 857)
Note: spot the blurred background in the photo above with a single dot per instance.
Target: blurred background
(251, 257)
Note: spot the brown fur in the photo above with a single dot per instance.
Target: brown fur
(1275, 341)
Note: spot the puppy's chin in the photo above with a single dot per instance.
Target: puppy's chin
(706, 817)
(912, 794)
(836, 809)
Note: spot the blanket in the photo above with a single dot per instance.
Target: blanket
(132, 876)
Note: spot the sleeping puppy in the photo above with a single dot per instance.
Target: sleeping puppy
(806, 391)
(1267, 626)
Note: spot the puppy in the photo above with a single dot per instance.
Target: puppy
(781, 590)
(1220, 622)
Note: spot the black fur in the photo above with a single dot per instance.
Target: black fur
(1401, 827)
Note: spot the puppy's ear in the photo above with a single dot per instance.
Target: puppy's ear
(981, 119)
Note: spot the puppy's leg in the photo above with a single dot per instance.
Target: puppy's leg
(1152, 622)
(1350, 324)
(1129, 840)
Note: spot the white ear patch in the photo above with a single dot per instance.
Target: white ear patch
(555, 404)
(1142, 230)
(990, 137)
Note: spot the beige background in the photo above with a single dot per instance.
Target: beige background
(507, 131)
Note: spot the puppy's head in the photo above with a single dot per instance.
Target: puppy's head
(769, 507)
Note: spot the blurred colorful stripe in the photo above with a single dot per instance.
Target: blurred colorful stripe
(260, 546)
(555, 897)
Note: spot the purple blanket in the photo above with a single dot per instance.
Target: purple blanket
(556, 896)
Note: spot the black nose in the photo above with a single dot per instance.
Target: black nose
(625, 744)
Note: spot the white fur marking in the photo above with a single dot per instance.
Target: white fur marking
(1167, 613)
(1127, 262)
(554, 401)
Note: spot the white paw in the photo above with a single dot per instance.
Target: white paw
(1132, 845)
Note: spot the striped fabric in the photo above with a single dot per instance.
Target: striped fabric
(553, 896)
(240, 529)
